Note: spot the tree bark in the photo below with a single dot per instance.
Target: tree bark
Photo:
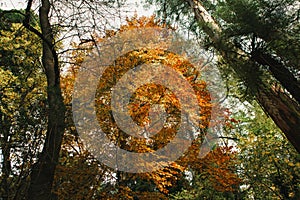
(284, 111)
(42, 174)
(5, 145)
(280, 72)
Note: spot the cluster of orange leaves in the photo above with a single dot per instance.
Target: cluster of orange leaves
(216, 163)
(221, 169)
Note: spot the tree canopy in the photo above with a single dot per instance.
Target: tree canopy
(49, 45)
(251, 37)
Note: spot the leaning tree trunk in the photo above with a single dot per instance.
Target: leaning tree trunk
(282, 108)
(42, 174)
(284, 112)
(280, 72)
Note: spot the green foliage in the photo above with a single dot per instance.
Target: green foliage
(269, 165)
(22, 107)
(253, 26)
(8, 18)
(268, 25)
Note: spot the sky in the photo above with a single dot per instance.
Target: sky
(134, 4)
(12, 4)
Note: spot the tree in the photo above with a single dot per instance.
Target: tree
(142, 99)
(48, 31)
(22, 110)
(268, 165)
(236, 29)
(159, 183)
(43, 171)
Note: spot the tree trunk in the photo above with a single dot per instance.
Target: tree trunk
(5, 145)
(280, 72)
(284, 111)
(42, 174)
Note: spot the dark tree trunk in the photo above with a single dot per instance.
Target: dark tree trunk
(283, 111)
(280, 72)
(42, 174)
(5, 147)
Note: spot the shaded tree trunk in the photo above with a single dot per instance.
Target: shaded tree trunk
(284, 111)
(42, 174)
(280, 72)
(5, 151)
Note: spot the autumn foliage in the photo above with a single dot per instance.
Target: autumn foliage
(78, 170)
